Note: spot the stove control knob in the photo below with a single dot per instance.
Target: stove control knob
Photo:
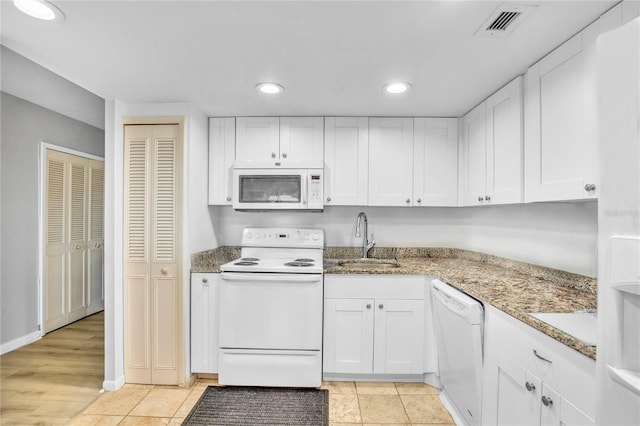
(249, 235)
(257, 235)
(315, 237)
(306, 235)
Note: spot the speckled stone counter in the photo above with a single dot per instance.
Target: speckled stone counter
(516, 288)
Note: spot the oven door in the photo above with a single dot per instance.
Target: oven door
(271, 311)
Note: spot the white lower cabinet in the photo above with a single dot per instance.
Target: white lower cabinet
(204, 322)
(373, 324)
(531, 379)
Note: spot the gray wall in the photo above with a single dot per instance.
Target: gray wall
(24, 125)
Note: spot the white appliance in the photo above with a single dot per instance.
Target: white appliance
(459, 323)
(277, 188)
(271, 304)
(618, 360)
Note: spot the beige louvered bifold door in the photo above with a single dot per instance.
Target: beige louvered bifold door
(55, 271)
(152, 158)
(74, 207)
(95, 271)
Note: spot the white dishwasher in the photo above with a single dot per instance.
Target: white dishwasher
(459, 322)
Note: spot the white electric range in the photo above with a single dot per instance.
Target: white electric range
(271, 303)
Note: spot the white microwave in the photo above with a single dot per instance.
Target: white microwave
(277, 189)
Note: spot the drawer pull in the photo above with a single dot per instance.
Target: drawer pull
(541, 357)
(530, 386)
(547, 401)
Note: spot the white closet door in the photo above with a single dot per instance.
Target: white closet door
(55, 314)
(152, 162)
(77, 247)
(95, 273)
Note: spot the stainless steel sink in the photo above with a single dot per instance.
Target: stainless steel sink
(369, 263)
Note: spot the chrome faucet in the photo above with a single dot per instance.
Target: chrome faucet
(366, 244)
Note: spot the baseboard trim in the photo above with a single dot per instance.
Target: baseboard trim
(14, 344)
(113, 385)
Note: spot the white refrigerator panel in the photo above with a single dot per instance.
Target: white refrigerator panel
(618, 361)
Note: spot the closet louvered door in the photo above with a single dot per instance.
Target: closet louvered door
(72, 199)
(55, 270)
(95, 252)
(151, 253)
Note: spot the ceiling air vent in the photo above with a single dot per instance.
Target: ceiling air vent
(504, 20)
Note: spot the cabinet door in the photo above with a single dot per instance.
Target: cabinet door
(399, 336)
(348, 336)
(257, 138)
(474, 161)
(346, 156)
(302, 140)
(518, 394)
(390, 161)
(222, 146)
(204, 323)
(504, 145)
(435, 161)
(556, 149)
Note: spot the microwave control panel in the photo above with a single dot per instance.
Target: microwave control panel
(314, 188)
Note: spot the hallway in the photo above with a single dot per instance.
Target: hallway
(52, 380)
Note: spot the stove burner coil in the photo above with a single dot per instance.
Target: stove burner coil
(304, 260)
(249, 259)
(297, 264)
(245, 263)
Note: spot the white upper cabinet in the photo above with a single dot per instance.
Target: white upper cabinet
(390, 161)
(346, 156)
(280, 140)
(435, 162)
(222, 140)
(561, 116)
(474, 156)
(257, 138)
(504, 145)
(302, 140)
(492, 149)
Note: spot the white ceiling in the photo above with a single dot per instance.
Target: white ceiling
(333, 57)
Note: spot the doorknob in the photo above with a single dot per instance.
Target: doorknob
(164, 271)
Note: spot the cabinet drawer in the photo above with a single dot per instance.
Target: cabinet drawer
(374, 286)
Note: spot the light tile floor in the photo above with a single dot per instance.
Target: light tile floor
(360, 403)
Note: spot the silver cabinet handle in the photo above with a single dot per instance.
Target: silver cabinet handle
(228, 198)
(547, 401)
(273, 155)
(97, 245)
(164, 271)
(590, 187)
(408, 200)
(284, 155)
(77, 247)
(540, 357)
(204, 280)
(368, 305)
(328, 199)
(480, 198)
(419, 200)
(530, 386)
(381, 306)
(486, 197)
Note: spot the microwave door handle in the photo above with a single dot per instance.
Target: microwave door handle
(304, 188)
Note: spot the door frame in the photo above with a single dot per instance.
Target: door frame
(42, 202)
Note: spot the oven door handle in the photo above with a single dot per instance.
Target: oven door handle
(275, 277)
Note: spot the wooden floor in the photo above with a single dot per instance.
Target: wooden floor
(52, 380)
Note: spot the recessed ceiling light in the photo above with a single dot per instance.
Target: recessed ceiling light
(396, 87)
(269, 88)
(39, 9)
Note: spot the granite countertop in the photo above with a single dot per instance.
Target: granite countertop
(515, 288)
